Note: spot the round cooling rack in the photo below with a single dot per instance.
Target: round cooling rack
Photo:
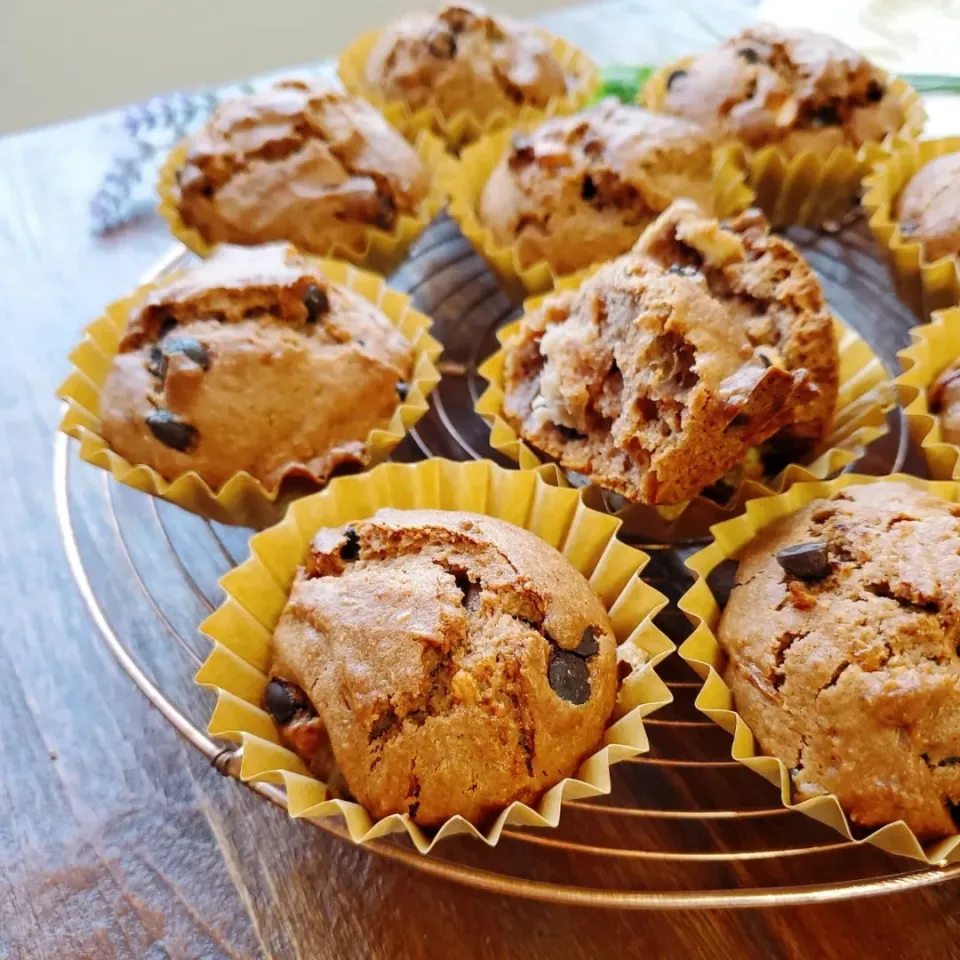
(685, 826)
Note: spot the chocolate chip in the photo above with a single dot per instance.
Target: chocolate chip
(570, 433)
(386, 213)
(683, 270)
(748, 54)
(443, 45)
(171, 431)
(283, 701)
(875, 91)
(166, 325)
(588, 645)
(909, 226)
(157, 364)
(676, 75)
(403, 389)
(190, 348)
(806, 561)
(351, 549)
(826, 115)
(949, 762)
(316, 302)
(206, 190)
(588, 189)
(521, 152)
(569, 676)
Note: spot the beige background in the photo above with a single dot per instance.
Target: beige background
(61, 59)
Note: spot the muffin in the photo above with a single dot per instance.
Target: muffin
(796, 89)
(580, 189)
(252, 361)
(439, 664)
(462, 59)
(661, 371)
(842, 652)
(928, 208)
(298, 162)
(943, 399)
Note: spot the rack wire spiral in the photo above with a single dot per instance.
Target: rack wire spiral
(685, 826)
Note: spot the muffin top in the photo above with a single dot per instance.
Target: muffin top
(298, 162)
(252, 361)
(580, 189)
(928, 208)
(943, 399)
(464, 59)
(659, 372)
(842, 638)
(797, 89)
(447, 663)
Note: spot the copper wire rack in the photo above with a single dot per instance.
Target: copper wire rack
(685, 826)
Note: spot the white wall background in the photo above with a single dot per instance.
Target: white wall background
(61, 59)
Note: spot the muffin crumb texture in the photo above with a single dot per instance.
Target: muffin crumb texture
(850, 673)
(441, 663)
(660, 372)
(928, 208)
(252, 361)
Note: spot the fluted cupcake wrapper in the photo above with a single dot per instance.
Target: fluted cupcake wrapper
(704, 654)
(864, 398)
(465, 127)
(463, 181)
(242, 500)
(806, 187)
(257, 591)
(924, 285)
(382, 250)
(934, 347)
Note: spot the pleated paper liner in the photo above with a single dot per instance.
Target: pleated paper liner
(935, 346)
(864, 398)
(465, 127)
(242, 500)
(382, 249)
(703, 653)
(257, 590)
(464, 180)
(807, 187)
(924, 285)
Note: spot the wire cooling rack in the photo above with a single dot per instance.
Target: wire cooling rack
(685, 826)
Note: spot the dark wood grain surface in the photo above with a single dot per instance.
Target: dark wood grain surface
(117, 839)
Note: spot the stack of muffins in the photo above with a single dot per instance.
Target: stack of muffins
(435, 662)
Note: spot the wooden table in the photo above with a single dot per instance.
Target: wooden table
(119, 840)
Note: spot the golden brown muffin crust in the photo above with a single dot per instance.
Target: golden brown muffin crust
(432, 645)
(928, 208)
(252, 361)
(298, 162)
(853, 679)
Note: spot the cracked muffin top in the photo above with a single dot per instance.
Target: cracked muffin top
(842, 636)
(657, 374)
(298, 162)
(580, 189)
(441, 663)
(252, 361)
(465, 59)
(928, 208)
(797, 89)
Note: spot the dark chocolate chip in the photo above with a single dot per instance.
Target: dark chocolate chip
(283, 701)
(806, 561)
(351, 549)
(683, 270)
(157, 364)
(190, 348)
(570, 433)
(403, 389)
(521, 152)
(569, 676)
(908, 226)
(166, 325)
(949, 762)
(588, 645)
(206, 190)
(826, 115)
(171, 431)
(316, 302)
(748, 54)
(588, 189)
(386, 212)
(676, 75)
(875, 91)
(443, 45)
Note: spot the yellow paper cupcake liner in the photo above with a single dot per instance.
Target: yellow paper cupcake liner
(465, 127)
(806, 188)
(924, 285)
(935, 346)
(702, 651)
(242, 500)
(864, 398)
(464, 179)
(257, 591)
(382, 249)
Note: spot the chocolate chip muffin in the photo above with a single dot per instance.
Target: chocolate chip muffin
(658, 373)
(581, 189)
(441, 663)
(928, 208)
(842, 638)
(298, 162)
(796, 89)
(943, 399)
(252, 362)
(465, 59)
